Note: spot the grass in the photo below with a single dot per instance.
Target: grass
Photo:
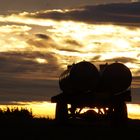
(14, 114)
(22, 125)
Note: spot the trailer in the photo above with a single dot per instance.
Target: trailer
(102, 92)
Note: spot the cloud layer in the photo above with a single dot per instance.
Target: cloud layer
(37, 46)
(34, 5)
(120, 13)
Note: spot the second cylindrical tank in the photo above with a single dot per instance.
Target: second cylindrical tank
(115, 78)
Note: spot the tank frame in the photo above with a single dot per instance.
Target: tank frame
(112, 107)
(70, 106)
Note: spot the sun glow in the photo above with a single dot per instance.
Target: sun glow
(43, 109)
(133, 111)
(70, 41)
(47, 109)
(41, 60)
(131, 65)
(39, 109)
(30, 21)
(97, 40)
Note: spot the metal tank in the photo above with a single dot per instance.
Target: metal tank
(115, 78)
(106, 89)
(78, 78)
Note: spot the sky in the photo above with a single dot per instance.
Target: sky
(35, 5)
(39, 38)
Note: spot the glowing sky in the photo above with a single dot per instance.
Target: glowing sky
(47, 109)
(37, 43)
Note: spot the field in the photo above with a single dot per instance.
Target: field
(21, 125)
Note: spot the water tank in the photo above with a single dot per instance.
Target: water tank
(78, 78)
(115, 78)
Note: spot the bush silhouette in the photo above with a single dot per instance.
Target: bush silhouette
(15, 114)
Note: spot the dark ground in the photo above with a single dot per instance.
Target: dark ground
(46, 129)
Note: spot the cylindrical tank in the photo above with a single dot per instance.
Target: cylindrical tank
(78, 78)
(115, 78)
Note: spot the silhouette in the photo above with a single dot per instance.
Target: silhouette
(15, 127)
(106, 89)
(15, 115)
(82, 86)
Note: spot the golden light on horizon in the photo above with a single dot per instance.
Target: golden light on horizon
(133, 111)
(39, 109)
(43, 109)
(47, 109)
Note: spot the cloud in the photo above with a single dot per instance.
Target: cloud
(24, 79)
(42, 42)
(120, 13)
(8, 6)
(16, 89)
(95, 58)
(132, 63)
(138, 72)
(43, 36)
(122, 60)
(17, 64)
(138, 55)
(69, 50)
(14, 28)
(134, 0)
(73, 42)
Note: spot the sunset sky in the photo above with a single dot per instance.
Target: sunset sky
(39, 38)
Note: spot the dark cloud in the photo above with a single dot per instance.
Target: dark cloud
(73, 42)
(69, 50)
(121, 59)
(96, 58)
(16, 89)
(22, 63)
(44, 41)
(36, 43)
(43, 36)
(33, 5)
(120, 13)
(23, 79)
